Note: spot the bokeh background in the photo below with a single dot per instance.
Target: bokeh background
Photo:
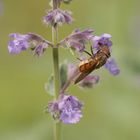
(112, 108)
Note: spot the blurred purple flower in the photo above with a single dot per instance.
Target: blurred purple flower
(78, 39)
(66, 109)
(57, 17)
(21, 43)
(71, 68)
(103, 40)
(112, 67)
(89, 81)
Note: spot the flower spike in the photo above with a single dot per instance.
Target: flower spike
(67, 108)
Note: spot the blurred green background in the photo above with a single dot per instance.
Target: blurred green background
(112, 108)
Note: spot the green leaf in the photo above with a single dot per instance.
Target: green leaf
(67, 1)
(51, 3)
(63, 73)
(72, 51)
(49, 87)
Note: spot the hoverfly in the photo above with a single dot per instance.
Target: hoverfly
(95, 61)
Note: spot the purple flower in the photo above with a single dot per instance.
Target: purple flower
(89, 81)
(21, 43)
(103, 40)
(53, 109)
(78, 39)
(70, 108)
(112, 67)
(40, 49)
(58, 16)
(66, 109)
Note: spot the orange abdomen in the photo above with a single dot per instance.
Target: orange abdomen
(86, 65)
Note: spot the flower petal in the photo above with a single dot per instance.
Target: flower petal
(112, 67)
(78, 39)
(58, 16)
(103, 40)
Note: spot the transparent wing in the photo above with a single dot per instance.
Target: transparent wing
(82, 75)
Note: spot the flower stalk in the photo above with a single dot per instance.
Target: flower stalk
(55, 51)
(55, 54)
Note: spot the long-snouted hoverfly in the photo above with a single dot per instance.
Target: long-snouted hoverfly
(95, 61)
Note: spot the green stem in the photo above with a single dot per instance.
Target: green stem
(55, 61)
(55, 53)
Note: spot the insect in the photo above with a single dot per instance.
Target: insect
(95, 61)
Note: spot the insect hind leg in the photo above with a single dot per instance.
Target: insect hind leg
(79, 59)
(91, 51)
(87, 53)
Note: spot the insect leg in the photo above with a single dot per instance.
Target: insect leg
(87, 53)
(79, 59)
(91, 50)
